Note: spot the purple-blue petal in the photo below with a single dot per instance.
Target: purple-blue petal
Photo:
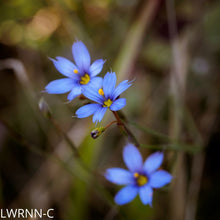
(153, 162)
(96, 83)
(91, 92)
(76, 91)
(65, 67)
(98, 115)
(119, 176)
(87, 110)
(96, 67)
(109, 82)
(81, 56)
(60, 86)
(121, 88)
(132, 158)
(126, 194)
(160, 179)
(118, 104)
(146, 194)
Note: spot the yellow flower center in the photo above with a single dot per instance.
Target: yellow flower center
(75, 71)
(101, 92)
(85, 79)
(107, 103)
(141, 180)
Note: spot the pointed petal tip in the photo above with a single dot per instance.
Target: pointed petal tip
(129, 146)
(99, 114)
(160, 178)
(96, 67)
(64, 66)
(50, 58)
(153, 162)
(77, 41)
(122, 86)
(109, 83)
(81, 55)
(132, 158)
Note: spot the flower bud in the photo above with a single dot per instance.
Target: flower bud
(44, 108)
(97, 132)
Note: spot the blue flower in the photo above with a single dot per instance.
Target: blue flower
(141, 177)
(105, 95)
(79, 76)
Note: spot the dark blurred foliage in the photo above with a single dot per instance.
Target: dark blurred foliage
(38, 170)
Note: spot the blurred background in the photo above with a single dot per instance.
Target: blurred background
(171, 49)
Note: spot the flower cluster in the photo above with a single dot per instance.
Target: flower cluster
(81, 78)
(141, 177)
(107, 96)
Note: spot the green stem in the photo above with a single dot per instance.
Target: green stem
(151, 132)
(189, 148)
(130, 135)
(111, 123)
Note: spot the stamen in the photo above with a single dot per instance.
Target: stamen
(85, 79)
(75, 71)
(140, 179)
(101, 92)
(107, 103)
(136, 175)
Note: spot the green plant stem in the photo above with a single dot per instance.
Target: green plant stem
(151, 132)
(110, 124)
(189, 148)
(124, 128)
